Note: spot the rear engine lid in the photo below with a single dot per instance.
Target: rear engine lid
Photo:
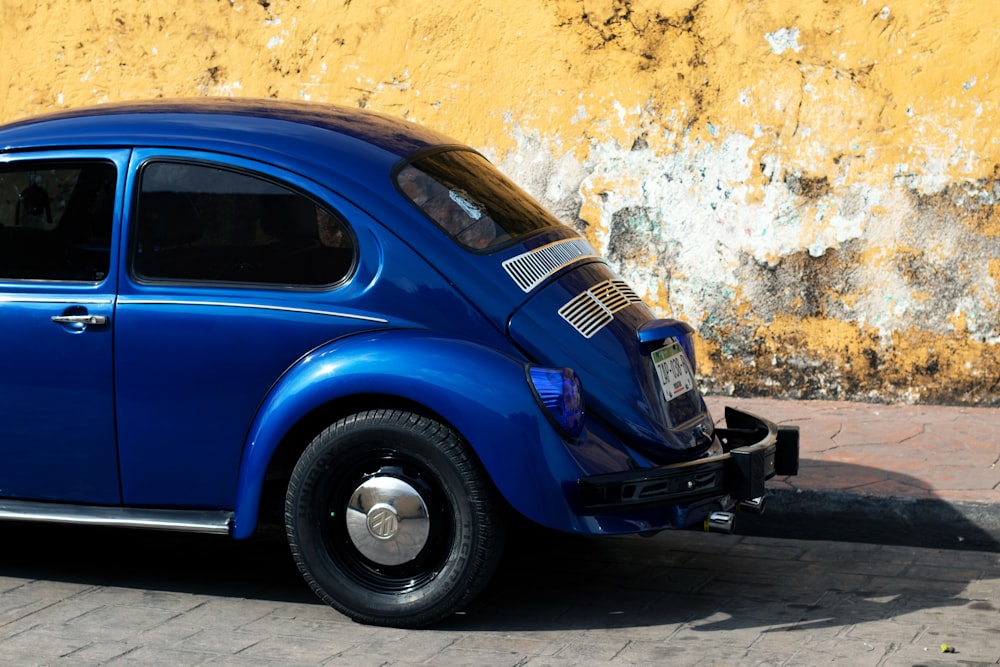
(636, 370)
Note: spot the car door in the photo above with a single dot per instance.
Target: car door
(58, 213)
(235, 273)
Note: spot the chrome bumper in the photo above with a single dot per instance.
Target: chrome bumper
(755, 450)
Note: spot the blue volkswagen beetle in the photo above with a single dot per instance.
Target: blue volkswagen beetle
(222, 312)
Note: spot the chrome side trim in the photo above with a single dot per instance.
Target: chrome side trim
(189, 521)
(69, 298)
(252, 306)
(529, 269)
(592, 310)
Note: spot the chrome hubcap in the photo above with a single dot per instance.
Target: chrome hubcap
(387, 520)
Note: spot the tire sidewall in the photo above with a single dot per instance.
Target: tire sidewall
(321, 472)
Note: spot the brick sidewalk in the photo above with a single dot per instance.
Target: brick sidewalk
(911, 451)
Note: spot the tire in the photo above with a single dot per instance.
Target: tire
(392, 521)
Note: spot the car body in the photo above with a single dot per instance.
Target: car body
(223, 311)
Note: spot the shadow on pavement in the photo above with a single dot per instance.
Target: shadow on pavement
(854, 503)
(705, 582)
(214, 565)
(813, 559)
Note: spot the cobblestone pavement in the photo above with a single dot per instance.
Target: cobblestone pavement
(878, 485)
(100, 597)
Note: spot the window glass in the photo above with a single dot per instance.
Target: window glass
(471, 200)
(198, 222)
(55, 220)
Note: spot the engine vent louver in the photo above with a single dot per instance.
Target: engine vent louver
(529, 269)
(591, 311)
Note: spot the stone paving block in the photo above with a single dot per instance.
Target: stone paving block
(457, 657)
(410, 647)
(45, 588)
(226, 613)
(840, 651)
(849, 564)
(778, 588)
(873, 631)
(974, 453)
(353, 660)
(313, 610)
(730, 563)
(117, 623)
(938, 660)
(586, 652)
(834, 553)
(986, 562)
(941, 573)
(98, 653)
(338, 631)
(57, 614)
(985, 590)
(138, 598)
(873, 430)
(20, 602)
(144, 656)
(920, 588)
(506, 644)
(750, 548)
(39, 645)
(790, 640)
(17, 604)
(212, 641)
(173, 632)
(296, 650)
(680, 651)
(557, 661)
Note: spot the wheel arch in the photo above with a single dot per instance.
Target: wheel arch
(415, 371)
(291, 445)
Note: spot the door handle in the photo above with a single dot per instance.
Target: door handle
(80, 319)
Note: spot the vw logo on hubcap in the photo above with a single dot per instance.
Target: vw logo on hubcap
(382, 522)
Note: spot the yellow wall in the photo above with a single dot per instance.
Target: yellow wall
(811, 183)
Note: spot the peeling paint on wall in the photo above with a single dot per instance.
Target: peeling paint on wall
(814, 184)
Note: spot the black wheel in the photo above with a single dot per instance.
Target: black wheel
(391, 520)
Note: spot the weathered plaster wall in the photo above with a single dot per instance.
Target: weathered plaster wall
(812, 183)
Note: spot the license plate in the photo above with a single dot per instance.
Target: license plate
(673, 369)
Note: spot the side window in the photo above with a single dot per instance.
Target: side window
(200, 222)
(55, 220)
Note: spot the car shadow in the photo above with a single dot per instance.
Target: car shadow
(899, 510)
(811, 560)
(211, 565)
(707, 582)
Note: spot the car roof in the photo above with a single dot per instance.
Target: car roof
(287, 133)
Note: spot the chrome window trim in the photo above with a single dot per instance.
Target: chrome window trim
(252, 306)
(69, 298)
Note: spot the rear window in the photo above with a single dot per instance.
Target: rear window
(475, 204)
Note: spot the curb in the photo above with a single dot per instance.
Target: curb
(850, 517)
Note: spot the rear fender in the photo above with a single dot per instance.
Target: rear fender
(481, 392)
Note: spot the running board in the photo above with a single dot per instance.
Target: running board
(189, 521)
